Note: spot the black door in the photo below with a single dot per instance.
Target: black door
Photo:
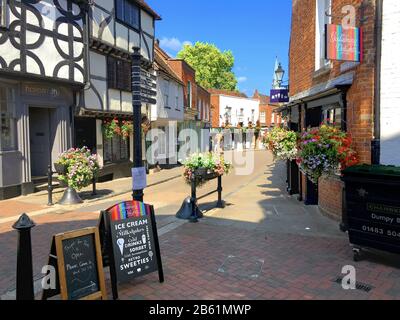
(85, 133)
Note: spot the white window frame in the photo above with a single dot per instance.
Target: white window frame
(263, 117)
(3, 13)
(323, 7)
(166, 93)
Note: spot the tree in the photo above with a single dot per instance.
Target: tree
(213, 67)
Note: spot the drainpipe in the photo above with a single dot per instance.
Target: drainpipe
(376, 142)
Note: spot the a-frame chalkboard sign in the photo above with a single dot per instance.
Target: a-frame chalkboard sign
(129, 240)
(76, 257)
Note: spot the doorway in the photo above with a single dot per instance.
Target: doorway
(41, 140)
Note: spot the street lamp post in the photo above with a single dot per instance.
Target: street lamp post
(279, 74)
(137, 117)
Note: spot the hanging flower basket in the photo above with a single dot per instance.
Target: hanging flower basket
(325, 151)
(126, 129)
(282, 143)
(111, 128)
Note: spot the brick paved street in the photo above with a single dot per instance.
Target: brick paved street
(263, 245)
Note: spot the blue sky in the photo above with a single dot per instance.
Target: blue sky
(256, 31)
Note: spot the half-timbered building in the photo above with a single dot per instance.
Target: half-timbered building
(115, 27)
(42, 66)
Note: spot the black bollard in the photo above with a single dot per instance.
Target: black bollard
(49, 186)
(25, 289)
(94, 191)
(193, 200)
(220, 203)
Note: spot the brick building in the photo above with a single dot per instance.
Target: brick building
(339, 90)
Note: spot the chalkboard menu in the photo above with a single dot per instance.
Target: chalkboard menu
(79, 265)
(129, 234)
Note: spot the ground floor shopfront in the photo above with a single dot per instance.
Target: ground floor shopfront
(36, 126)
(335, 103)
(114, 154)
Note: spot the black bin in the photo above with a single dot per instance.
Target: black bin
(372, 215)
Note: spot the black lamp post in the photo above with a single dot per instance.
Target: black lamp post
(279, 72)
(137, 117)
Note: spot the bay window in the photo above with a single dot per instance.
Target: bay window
(116, 149)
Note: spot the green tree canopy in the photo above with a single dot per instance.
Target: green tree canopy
(213, 67)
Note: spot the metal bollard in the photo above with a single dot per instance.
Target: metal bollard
(220, 203)
(50, 186)
(194, 217)
(94, 191)
(25, 289)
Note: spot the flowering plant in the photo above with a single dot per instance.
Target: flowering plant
(111, 128)
(81, 166)
(126, 129)
(325, 150)
(212, 163)
(282, 143)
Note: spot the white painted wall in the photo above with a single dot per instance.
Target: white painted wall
(45, 44)
(390, 84)
(238, 103)
(105, 27)
(175, 89)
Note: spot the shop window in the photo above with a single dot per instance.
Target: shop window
(313, 117)
(116, 149)
(332, 115)
(128, 13)
(119, 74)
(7, 119)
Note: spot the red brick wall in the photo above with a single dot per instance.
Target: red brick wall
(187, 74)
(204, 96)
(215, 111)
(330, 196)
(360, 97)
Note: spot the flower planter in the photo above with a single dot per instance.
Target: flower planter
(200, 172)
(61, 169)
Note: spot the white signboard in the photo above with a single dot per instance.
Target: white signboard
(139, 178)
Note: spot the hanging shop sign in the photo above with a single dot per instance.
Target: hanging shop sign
(279, 96)
(76, 257)
(343, 44)
(130, 242)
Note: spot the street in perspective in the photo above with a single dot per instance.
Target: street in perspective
(155, 151)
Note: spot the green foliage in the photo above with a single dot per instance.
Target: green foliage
(213, 67)
(212, 162)
(282, 143)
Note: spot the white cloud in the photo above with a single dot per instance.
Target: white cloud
(173, 44)
(242, 79)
